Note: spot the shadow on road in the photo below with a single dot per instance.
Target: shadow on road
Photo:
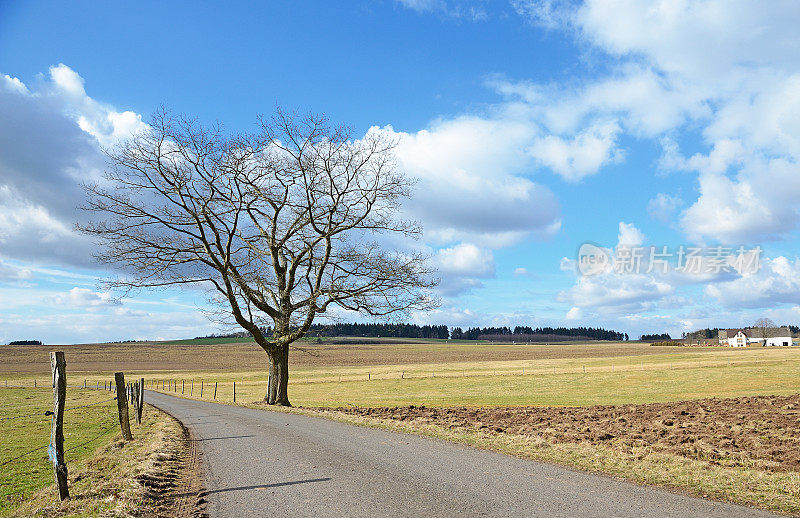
(221, 438)
(266, 486)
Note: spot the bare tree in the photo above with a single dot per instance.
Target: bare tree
(766, 327)
(280, 225)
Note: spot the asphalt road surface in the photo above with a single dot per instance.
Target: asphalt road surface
(261, 463)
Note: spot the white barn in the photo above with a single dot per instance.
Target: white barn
(775, 337)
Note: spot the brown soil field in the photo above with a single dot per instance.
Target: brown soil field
(755, 432)
(156, 356)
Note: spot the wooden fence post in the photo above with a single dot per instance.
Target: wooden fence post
(59, 368)
(122, 406)
(140, 403)
(234, 392)
(135, 399)
(191, 390)
(215, 390)
(183, 386)
(201, 389)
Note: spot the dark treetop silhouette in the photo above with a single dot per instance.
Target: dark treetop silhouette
(279, 225)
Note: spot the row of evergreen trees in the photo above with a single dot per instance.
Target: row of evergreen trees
(379, 330)
(655, 337)
(529, 333)
(519, 333)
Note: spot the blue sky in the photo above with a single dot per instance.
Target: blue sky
(531, 127)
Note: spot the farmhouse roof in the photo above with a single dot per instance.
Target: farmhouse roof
(730, 333)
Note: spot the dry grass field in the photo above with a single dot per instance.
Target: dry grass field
(649, 414)
(244, 356)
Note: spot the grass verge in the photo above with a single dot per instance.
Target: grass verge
(106, 476)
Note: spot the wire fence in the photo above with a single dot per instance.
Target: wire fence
(46, 411)
(229, 390)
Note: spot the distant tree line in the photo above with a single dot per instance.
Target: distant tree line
(519, 333)
(380, 330)
(25, 342)
(703, 334)
(539, 334)
(655, 337)
(237, 334)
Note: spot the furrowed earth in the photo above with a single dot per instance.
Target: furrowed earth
(755, 432)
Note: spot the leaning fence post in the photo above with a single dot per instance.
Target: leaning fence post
(122, 407)
(59, 368)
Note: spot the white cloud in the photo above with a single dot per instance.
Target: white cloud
(50, 139)
(617, 294)
(629, 235)
(466, 259)
(96, 325)
(11, 272)
(471, 183)
(778, 281)
(728, 69)
(520, 272)
(699, 39)
(67, 80)
(663, 206)
(581, 156)
(85, 298)
(462, 266)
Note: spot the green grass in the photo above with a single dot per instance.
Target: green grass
(85, 429)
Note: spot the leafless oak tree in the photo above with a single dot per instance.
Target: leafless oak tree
(766, 327)
(280, 225)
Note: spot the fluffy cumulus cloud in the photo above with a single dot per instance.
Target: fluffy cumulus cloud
(613, 293)
(51, 137)
(629, 235)
(776, 282)
(472, 182)
(462, 267)
(581, 155)
(728, 68)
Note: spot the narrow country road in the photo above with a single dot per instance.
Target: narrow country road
(261, 463)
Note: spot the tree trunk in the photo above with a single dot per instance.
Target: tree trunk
(281, 362)
(272, 386)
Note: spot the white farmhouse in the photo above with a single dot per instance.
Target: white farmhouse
(733, 337)
(775, 337)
